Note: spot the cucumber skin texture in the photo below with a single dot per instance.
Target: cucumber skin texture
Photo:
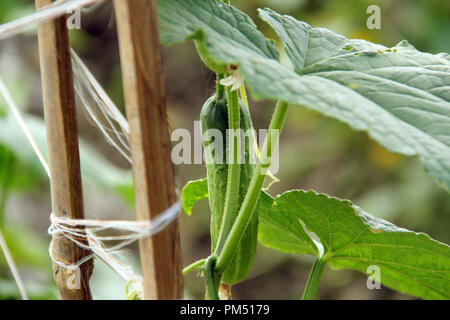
(214, 115)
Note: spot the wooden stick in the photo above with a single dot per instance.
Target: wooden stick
(150, 144)
(64, 163)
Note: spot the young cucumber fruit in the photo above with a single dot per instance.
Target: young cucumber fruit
(214, 119)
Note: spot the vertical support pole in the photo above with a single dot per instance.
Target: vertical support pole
(145, 98)
(62, 139)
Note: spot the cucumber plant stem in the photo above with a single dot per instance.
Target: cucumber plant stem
(194, 266)
(212, 292)
(220, 89)
(314, 279)
(248, 206)
(234, 168)
(244, 96)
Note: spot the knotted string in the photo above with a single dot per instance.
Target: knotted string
(77, 230)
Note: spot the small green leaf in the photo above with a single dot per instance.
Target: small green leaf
(410, 262)
(282, 232)
(192, 192)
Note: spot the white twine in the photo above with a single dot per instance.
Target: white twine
(18, 116)
(100, 108)
(13, 267)
(52, 11)
(77, 230)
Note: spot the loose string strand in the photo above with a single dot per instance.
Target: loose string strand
(13, 267)
(18, 116)
(50, 12)
(101, 108)
(93, 99)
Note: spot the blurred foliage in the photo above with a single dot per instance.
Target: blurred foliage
(315, 152)
(13, 9)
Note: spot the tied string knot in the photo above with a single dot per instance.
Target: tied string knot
(62, 227)
(88, 235)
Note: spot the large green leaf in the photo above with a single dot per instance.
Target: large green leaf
(347, 237)
(410, 262)
(224, 33)
(398, 95)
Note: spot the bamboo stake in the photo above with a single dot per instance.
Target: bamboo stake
(64, 163)
(150, 145)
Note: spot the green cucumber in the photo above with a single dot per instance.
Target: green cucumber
(214, 115)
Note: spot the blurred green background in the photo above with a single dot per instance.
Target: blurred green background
(315, 152)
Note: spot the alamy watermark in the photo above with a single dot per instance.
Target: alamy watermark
(74, 15)
(73, 282)
(188, 148)
(374, 20)
(374, 279)
(74, 18)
